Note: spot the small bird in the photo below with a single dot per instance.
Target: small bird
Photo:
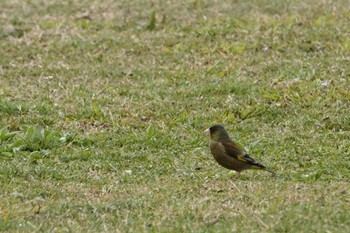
(230, 154)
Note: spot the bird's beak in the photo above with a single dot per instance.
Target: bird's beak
(207, 131)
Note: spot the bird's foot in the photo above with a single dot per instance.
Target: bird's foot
(237, 176)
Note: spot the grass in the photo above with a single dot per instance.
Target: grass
(103, 107)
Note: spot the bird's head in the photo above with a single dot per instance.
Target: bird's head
(217, 133)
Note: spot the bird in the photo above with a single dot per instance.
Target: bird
(229, 154)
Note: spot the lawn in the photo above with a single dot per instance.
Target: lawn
(103, 105)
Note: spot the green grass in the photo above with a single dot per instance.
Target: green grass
(103, 105)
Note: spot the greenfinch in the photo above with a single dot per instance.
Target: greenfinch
(230, 154)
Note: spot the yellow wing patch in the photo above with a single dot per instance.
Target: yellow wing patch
(248, 160)
(241, 158)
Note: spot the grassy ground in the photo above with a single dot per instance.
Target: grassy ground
(103, 107)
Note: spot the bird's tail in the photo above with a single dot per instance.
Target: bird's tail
(259, 166)
(273, 173)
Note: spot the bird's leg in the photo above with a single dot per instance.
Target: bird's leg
(237, 176)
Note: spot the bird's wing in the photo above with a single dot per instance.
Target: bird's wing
(239, 146)
(234, 151)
